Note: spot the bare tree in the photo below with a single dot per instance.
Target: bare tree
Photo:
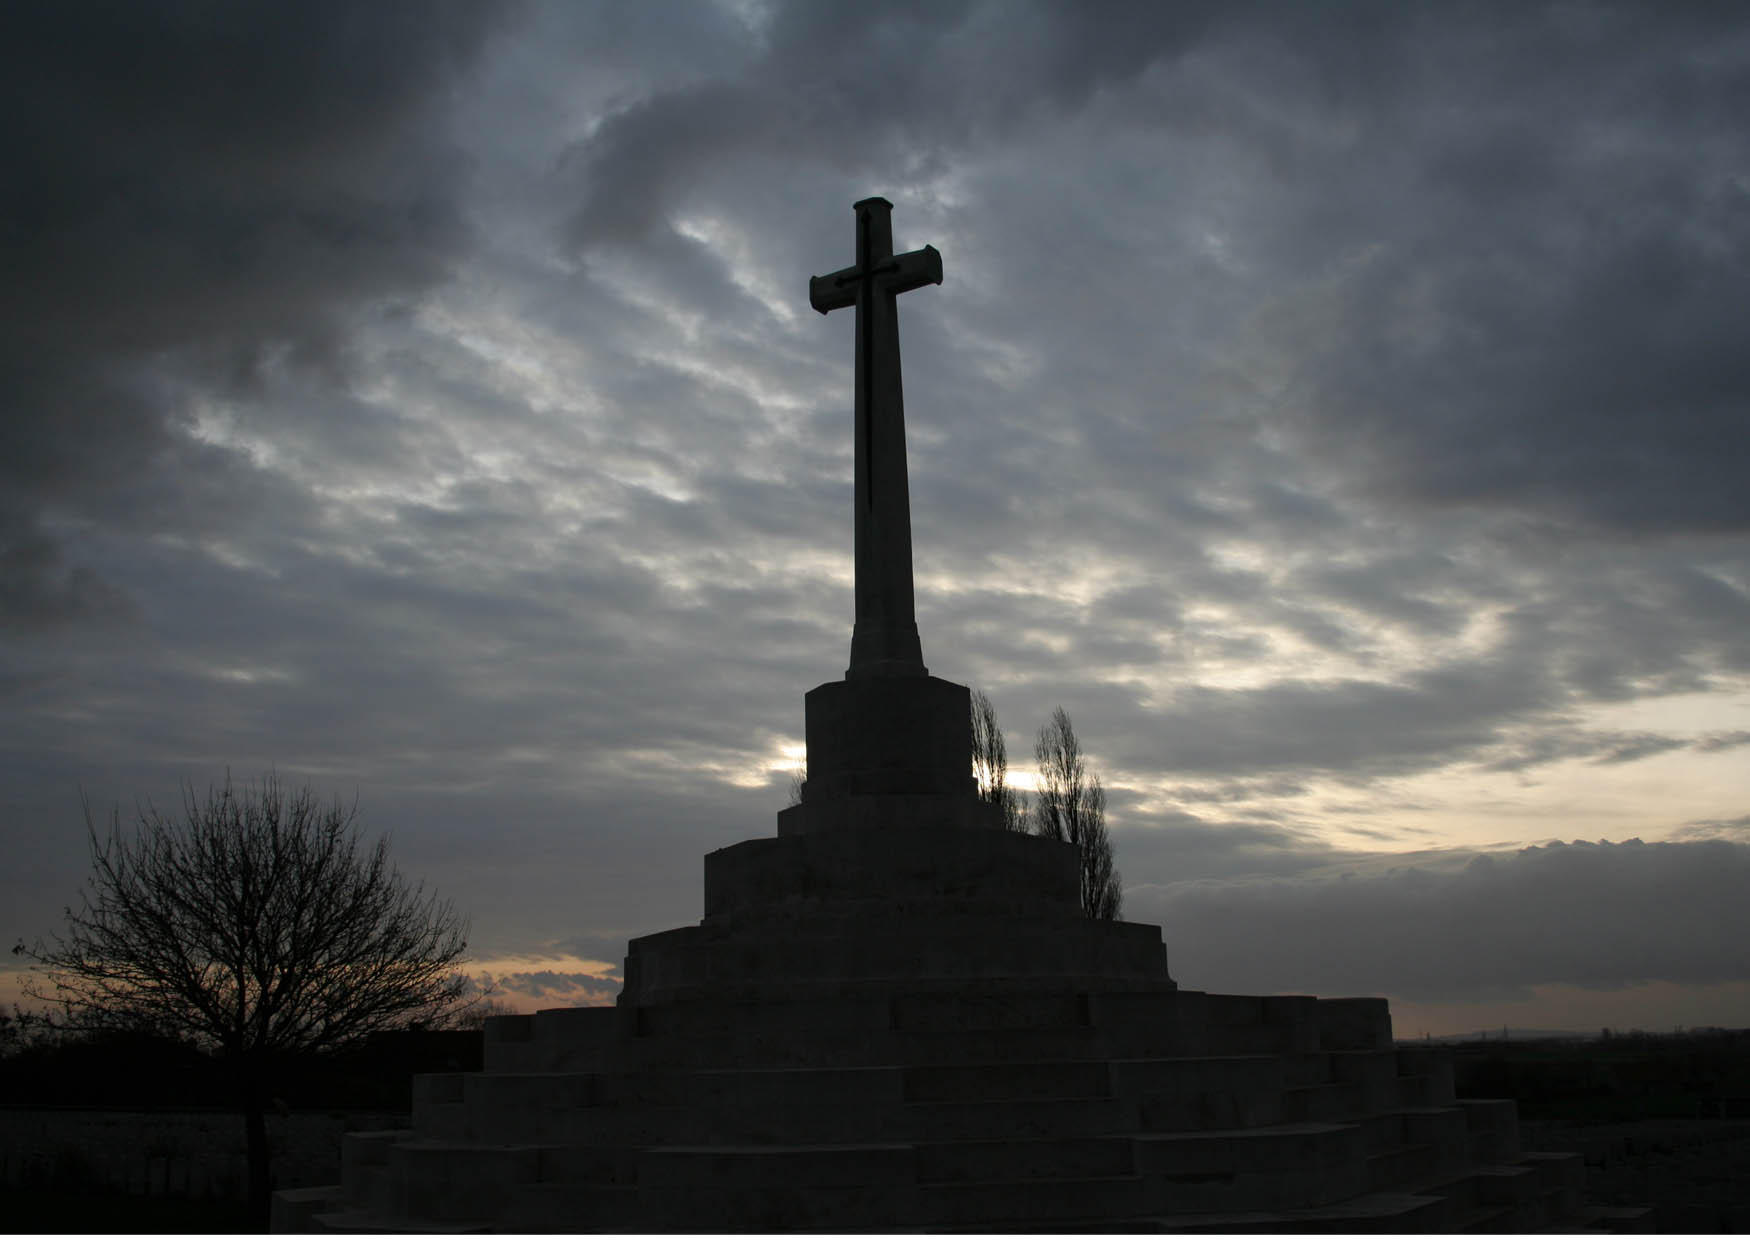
(990, 764)
(1071, 805)
(257, 925)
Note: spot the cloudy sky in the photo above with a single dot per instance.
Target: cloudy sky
(1338, 409)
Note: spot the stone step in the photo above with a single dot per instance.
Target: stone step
(1505, 1185)
(1277, 1148)
(1423, 1091)
(827, 1122)
(1021, 1119)
(1005, 1081)
(550, 1207)
(999, 1205)
(450, 1181)
(1618, 1220)
(1198, 1074)
(533, 1090)
(1446, 1128)
(1337, 1101)
(1188, 1095)
(1388, 1213)
(553, 1040)
(755, 1086)
(1394, 1166)
(1282, 1167)
(1560, 1172)
(1494, 1128)
(1373, 1073)
(962, 1013)
(1490, 1220)
(364, 1158)
(1053, 1158)
(770, 1166)
(295, 1209)
(1055, 954)
(591, 1164)
(363, 1222)
(861, 1048)
(445, 1121)
(1306, 1069)
(709, 1019)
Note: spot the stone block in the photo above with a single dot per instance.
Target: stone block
(1375, 1073)
(794, 1208)
(1051, 1158)
(1494, 1128)
(1002, 1081)
(933, 812)
(755, 1087)
(960, 1012)
(885, 735)
(1354, 1024)
(899, 866)
(808, 955)
(1280, 1147)
(1330, 1101)
(1030, 1202)
(705, 1018)
(362, 1155)
(1237, 1075)
(1296, 1017)
(294, 1210)
(573, 1208)
(773, 1166)
(1045, 1118)
(445, 1181)
(1505, 1185)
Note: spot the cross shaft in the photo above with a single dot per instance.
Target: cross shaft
(884, 641)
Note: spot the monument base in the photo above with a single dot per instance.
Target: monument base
(890, 1025)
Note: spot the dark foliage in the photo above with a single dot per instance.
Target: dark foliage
(258, 928)
(1071, 805)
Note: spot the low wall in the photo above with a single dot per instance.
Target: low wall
(197, 1154)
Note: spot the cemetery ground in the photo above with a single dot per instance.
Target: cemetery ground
(137, 1134)
(1661, 1120)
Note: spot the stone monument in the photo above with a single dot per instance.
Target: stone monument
(894, 1016)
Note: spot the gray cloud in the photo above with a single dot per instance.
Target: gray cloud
(213, 192)
(425, 400)
(1483, 926)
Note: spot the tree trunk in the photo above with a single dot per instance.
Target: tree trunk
(260, 1156)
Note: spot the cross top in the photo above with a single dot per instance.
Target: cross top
(877, 265)
(885, 639)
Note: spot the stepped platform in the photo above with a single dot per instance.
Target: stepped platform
(852, 1041)
(925, 1111)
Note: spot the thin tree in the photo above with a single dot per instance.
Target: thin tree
(990, 764)
(257, 925)
(1070, 804)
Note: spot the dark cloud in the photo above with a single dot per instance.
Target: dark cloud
(203, 191)
(902, 87)
(1487, 926)
(1321, 401)
(1534, 305)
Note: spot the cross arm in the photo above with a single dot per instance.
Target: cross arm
(899, 274)
(914, 270)
(834, 292)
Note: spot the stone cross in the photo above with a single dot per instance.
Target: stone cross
(884, 641)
